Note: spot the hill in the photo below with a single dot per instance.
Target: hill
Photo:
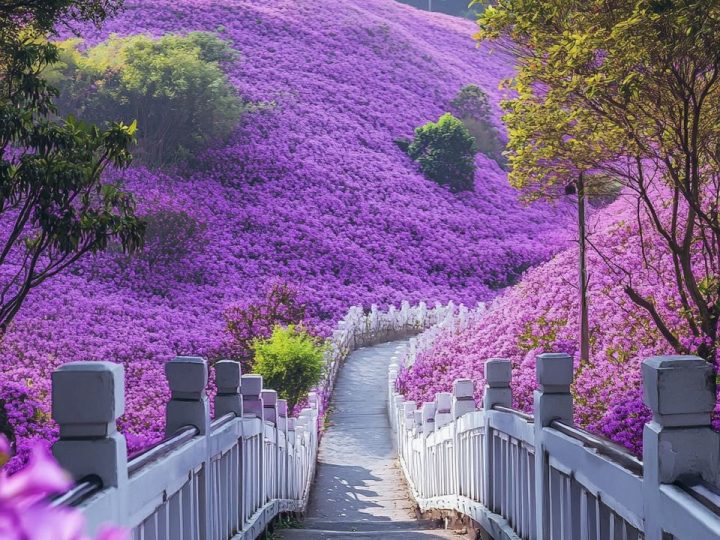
(310, 189)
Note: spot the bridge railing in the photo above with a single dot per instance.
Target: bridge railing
(538, 477)
(209, 479)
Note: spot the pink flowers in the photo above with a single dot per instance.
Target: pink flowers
(25, 513)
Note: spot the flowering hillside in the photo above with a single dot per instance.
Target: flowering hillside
(310, 189)
(540, 315)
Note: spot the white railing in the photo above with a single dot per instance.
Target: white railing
(540, 478)
(209, 479)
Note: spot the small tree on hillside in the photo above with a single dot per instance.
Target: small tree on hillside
(281, 306)
(471, 105)
(445, 152)
(291, 362)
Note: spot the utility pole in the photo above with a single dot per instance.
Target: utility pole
(429, 5)
(584, 318)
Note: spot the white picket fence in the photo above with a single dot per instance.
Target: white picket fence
(540, 478)
(209, 479)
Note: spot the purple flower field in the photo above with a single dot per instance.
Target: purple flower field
(310, 189)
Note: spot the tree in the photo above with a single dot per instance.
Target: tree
(445, 152)
(471, 105)
(627, 90)
(173, 85)
(245, 323)
(290, 361)
(54, 207)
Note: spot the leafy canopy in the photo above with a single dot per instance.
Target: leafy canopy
(174, 86)
(630, 90)
(445, 152)
(290, 361)
(54, 208)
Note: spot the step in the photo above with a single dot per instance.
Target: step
(377, 525)
(415, 534)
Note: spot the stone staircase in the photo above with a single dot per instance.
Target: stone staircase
(359, 491)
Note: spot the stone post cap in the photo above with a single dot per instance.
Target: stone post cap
(498, 373)
(409, 408)
(270, 398)
(227, 376)
(554, 372)
(88, 393)
(313, 400)
(428, 411)
(251, 385)
(463, 388)
(679, 385)
(443, 402)
(187, 377)
(282, 408)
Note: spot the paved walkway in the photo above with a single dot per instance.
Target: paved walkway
(359, 491)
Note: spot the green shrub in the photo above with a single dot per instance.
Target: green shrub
(174, 86)
(290, 361)
(471, 105)
(445, 152)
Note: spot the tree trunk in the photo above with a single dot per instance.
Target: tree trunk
(584, 317)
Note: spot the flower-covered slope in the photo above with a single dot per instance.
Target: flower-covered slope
(540, 314)
(311, 189)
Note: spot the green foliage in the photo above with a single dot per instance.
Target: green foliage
(291, 362)
(174, 86)
(471, 105)
(445, 152)
(281, 306)
(51, 195)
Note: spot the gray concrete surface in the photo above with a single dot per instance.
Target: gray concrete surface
(359, 491)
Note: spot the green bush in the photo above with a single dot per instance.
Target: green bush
(174, 86)
(291, 361)
(445, 152)
(471, 105)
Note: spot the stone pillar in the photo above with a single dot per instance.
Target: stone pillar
(409, 414)
(443, 409)
(269, 399)
(417, 422)
(251, 388)
(227, 379)
(678, 441)
(282, 413)
(463, 398)
(553, 401)
(87, 399)
(187, 377)
(498, 373)
(428, 418)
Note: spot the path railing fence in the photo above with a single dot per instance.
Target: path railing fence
(209, 479)
(538, 477)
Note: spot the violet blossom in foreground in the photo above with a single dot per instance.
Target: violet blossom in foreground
(26, 514)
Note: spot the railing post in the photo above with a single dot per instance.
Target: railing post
(463, 398)
(678, 441)
(443, 409)
(463, 402)
(282, 409)
(251, 387)
(553, 401)
(188, 406)
(269, 398)
(498, 373)
(227, 379)
(187, 378)
(87, 399)
(428, 418)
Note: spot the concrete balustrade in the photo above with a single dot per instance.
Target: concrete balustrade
(209, 480)
(538, 477)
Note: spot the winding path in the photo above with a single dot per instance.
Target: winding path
(359, 491)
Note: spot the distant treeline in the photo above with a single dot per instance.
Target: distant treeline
(460, 8)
